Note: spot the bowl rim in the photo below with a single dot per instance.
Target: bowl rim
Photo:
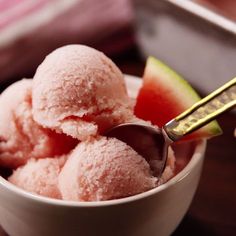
(198, 154)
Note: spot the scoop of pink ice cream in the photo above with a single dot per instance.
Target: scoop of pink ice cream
(79, 91)
(39, 176)
(21, 137)
(104, 169)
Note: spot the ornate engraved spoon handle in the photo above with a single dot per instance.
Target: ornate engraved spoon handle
(203, 111)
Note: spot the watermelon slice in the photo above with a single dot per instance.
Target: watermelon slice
(164, 95)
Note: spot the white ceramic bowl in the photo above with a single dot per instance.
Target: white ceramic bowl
(155, 212)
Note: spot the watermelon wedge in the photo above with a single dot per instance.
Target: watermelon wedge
(164, 95)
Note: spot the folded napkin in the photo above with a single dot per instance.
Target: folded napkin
(30, 29)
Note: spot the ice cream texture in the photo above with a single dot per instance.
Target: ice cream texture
(52, 131)
(79, 91)
(104, 169)
(39, 176)
(21, 137)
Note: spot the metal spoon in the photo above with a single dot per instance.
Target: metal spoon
(152, 143)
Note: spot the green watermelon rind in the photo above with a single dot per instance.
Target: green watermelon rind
(156, 67)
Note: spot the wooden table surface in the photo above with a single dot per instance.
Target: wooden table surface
(213, 210)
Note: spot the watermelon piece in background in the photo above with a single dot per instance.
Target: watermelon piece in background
(164, 95)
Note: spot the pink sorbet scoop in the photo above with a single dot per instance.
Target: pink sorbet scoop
(79, 91)
(104, 169)
(21, 137)
(39, 176)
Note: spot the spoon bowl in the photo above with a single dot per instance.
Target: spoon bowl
(148, 141)
(152, 143)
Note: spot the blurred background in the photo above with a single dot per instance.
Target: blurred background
(196, 38)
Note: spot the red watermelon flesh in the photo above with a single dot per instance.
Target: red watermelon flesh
(164, 95)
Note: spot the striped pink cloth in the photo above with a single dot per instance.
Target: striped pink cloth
(30, 29)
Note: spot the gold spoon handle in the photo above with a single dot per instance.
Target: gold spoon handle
(203, 111)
